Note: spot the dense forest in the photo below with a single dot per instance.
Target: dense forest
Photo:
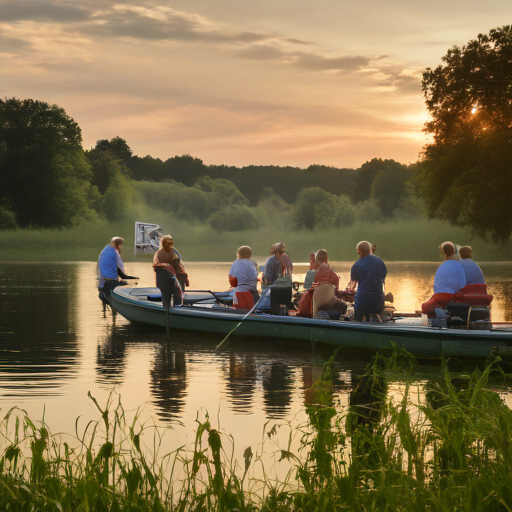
(48, 180)
(464, 176)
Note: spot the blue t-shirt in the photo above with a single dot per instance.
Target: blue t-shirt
(450, 277)
(474, 274)
(370, 274)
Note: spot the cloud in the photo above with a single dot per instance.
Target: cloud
(315, 62)
(163, 23)
(261, 52)
(11, 44)
(402, 80)
(304, 61)
(41, 10)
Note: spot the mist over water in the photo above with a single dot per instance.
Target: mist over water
(57, 344)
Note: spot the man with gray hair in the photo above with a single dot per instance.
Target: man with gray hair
(110, 268)
(449, 278)
(368, 274)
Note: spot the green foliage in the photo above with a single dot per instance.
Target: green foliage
(176, 198)
(388, 187)
(118, 197)
(451, 452)
(368, 211)
(220, 193)
(466, 173)
(234, 218)
(116, 147)
(45, 176)
(272, 210)
(365, 176)
(334, 212)
(7, 218)
(105, 167)
(305, 206)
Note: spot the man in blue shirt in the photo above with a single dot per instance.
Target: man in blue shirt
(473, 272)
(449, 279)
(110, 268)
(368, 274)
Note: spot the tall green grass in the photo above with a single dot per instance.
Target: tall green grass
(397, 240)
(450, 453)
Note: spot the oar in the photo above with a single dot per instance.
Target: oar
(263, 294)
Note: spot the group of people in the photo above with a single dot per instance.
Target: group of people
(457, 272)
(367, 277)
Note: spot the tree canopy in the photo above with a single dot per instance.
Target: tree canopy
(44, 178)
(466, 172)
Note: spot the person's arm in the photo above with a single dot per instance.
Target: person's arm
(353, 279)
(120, 264)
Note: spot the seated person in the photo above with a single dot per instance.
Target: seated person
(309, 278)
(324, 274)
(243, 277)
(449, 279)
(368, 274)
(277, 265)
(472, 271)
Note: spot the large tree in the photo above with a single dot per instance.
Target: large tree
(44, 175)
(466, 174)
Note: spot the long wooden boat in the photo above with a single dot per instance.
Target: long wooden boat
(202, 314)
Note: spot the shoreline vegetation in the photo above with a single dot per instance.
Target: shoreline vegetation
(397, 240)
(448, 449)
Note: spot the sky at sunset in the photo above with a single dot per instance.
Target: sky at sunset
(284, 82)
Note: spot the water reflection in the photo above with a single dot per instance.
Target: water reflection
(56, 345)
(241, 382)
(38, 341)
(169, 381)
(111, 357)
(277, 389)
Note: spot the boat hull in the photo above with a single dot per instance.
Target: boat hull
(420, 340)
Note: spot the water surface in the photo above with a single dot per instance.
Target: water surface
(57, 344)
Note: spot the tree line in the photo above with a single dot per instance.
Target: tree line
(48, 180)
(463, 176)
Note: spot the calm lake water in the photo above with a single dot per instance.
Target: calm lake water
(56, 345)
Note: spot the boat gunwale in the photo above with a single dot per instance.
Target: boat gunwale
(223, 314)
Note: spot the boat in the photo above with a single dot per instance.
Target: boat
(207, 311)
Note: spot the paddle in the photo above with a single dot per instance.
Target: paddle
(264, 294)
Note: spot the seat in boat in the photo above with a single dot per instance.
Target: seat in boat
(474, 295)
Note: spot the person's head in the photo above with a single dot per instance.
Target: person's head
(466, 252)
(374, 248)
(364, 249)
(117, 243)
(279, 249)
(244, 252)
(447, 250)
(322, 256)
(166, 243)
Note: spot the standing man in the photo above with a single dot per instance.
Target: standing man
(449, 278)
(110, 267)
(368, 274)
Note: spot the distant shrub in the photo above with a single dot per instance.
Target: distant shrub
(234, 218)
(335, 212)
(307, 200)
(368, 211)
(7, 219)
